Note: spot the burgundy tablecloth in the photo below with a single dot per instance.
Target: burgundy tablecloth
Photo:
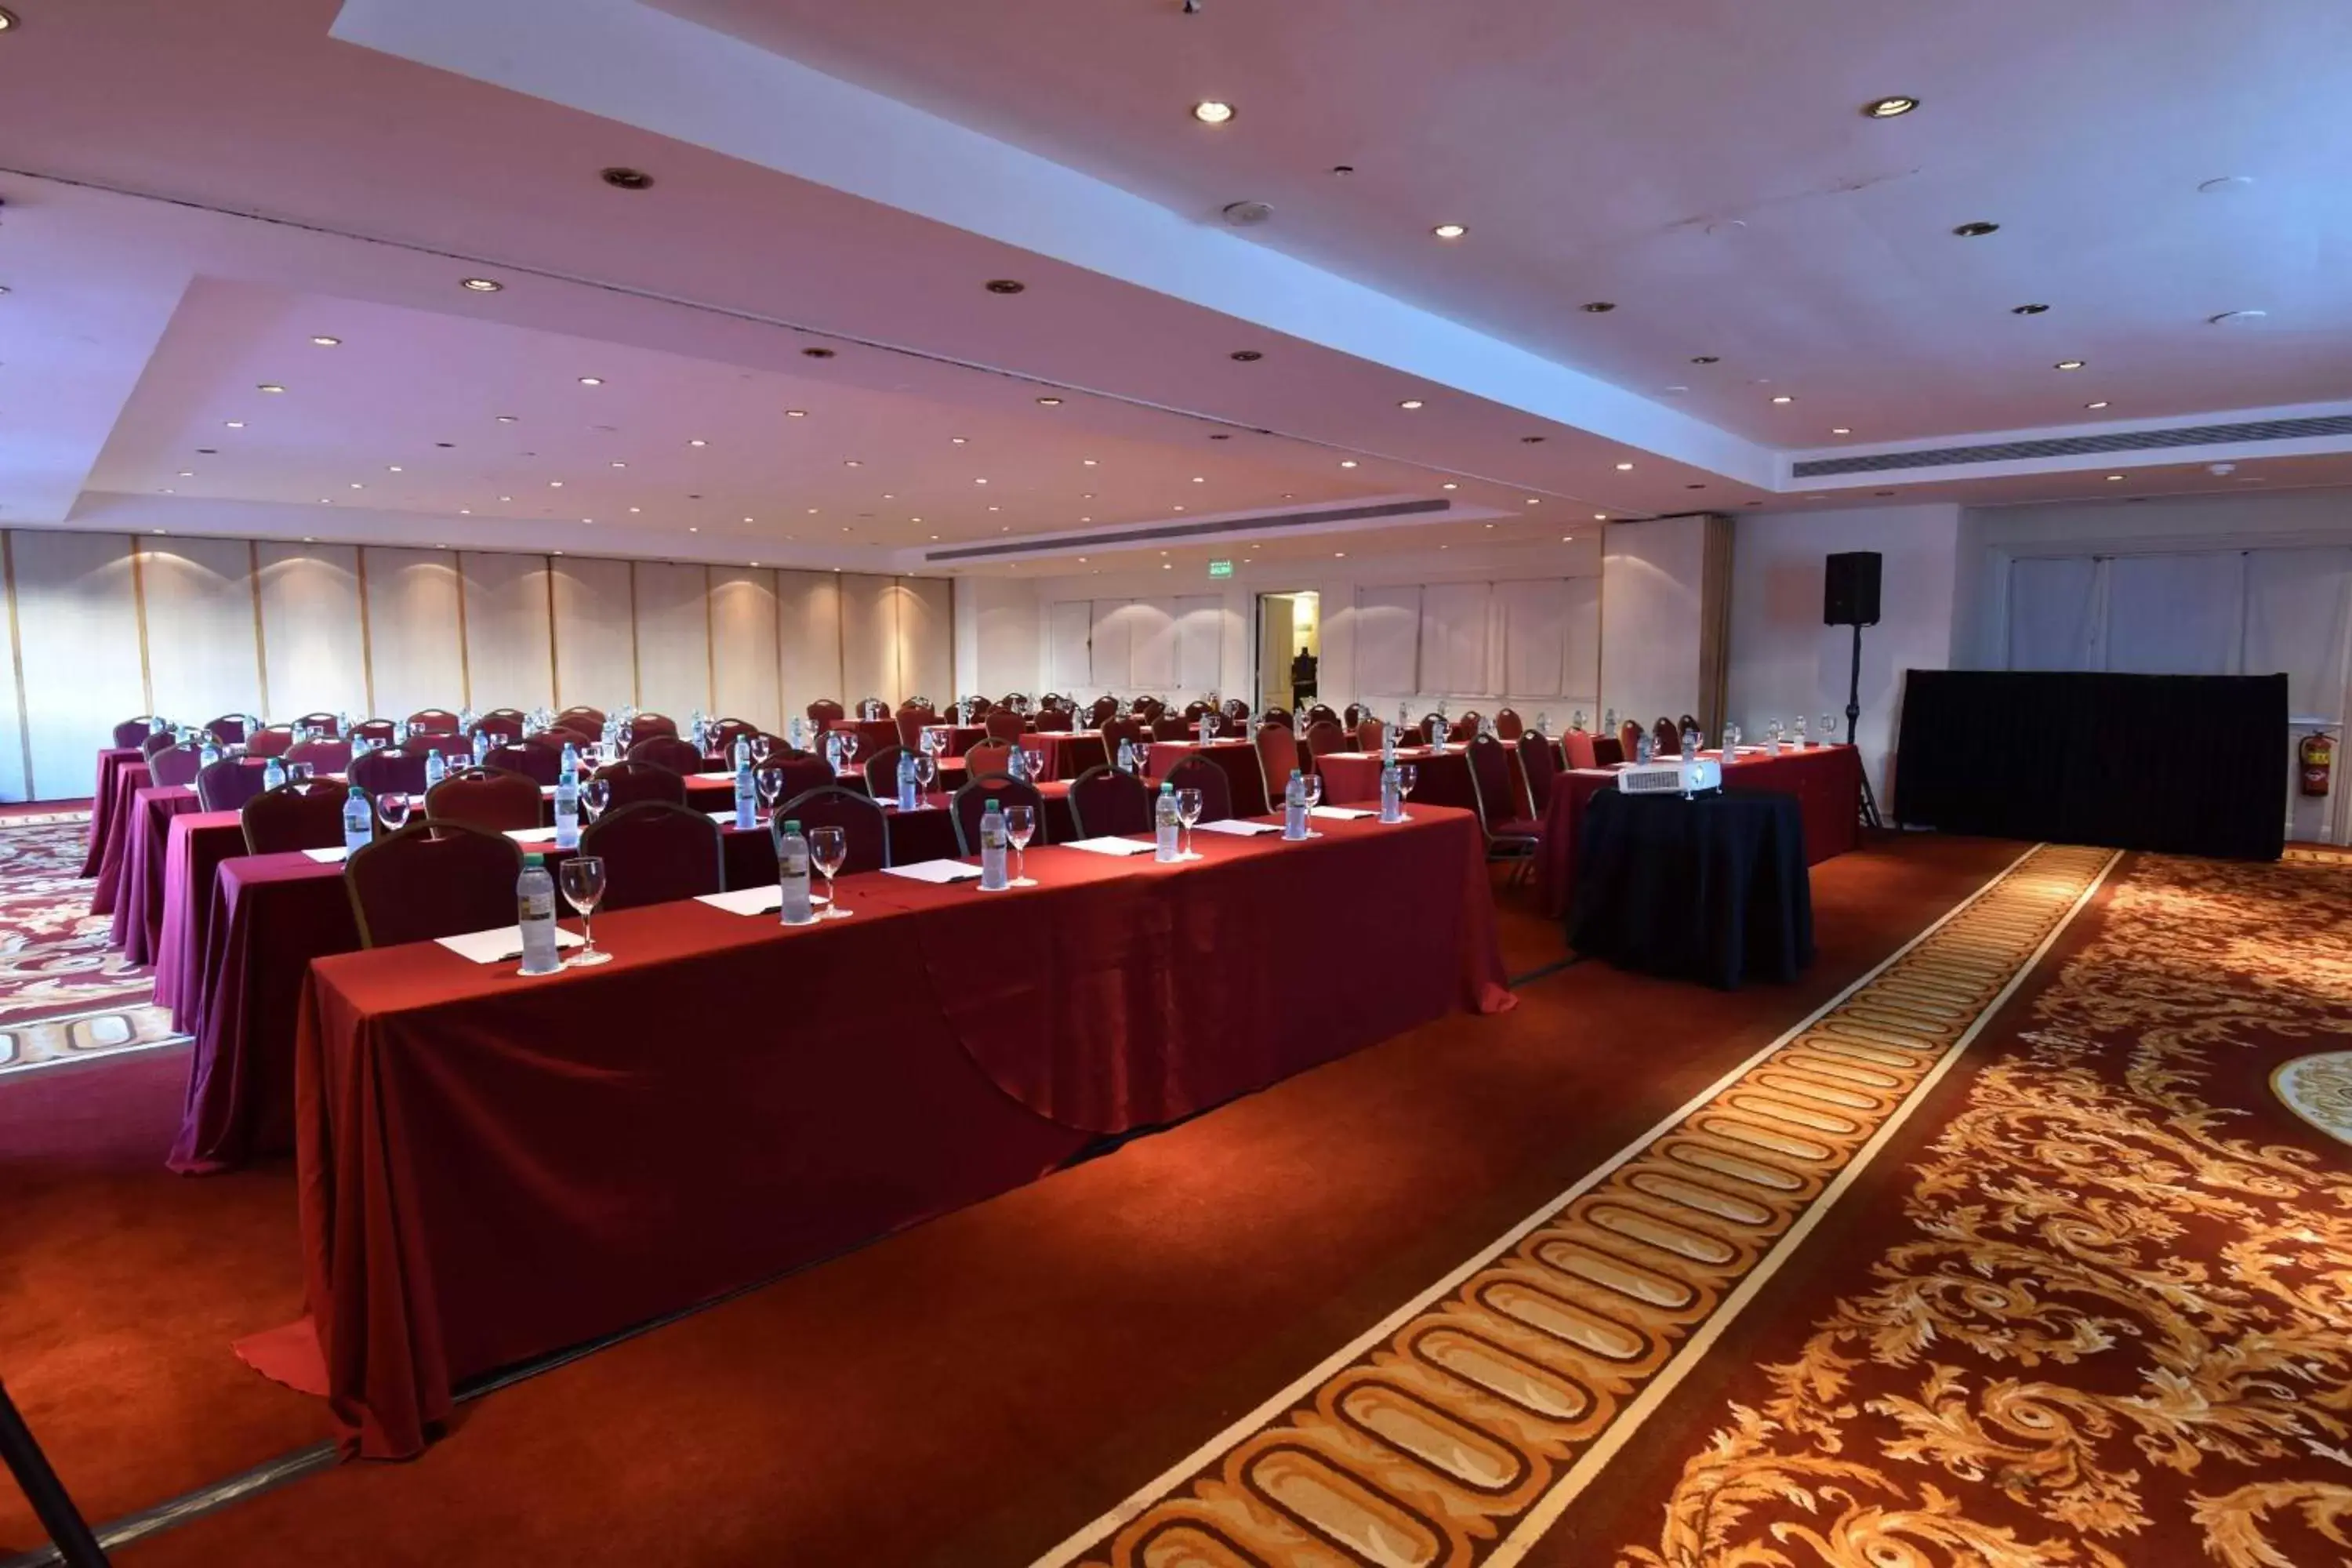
(113, 851)
(1068, 752)
(139, 901)
(1442, 778)
(960, 737)
(1826, 781)
(200, 841)
(873, 734)
(493, 1167)
(1236, 759)
(110, 762)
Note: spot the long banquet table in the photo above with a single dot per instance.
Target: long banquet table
(112, 761)
(1237, 759)
(493, 1168)
(110, 848)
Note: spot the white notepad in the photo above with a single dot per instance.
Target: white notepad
(532, 835)
(723, 776)
(937, 871)
(497, 946)
(764, 900)
(1109, 846)
(1341, 813)
(1238, 828)
(329, 856)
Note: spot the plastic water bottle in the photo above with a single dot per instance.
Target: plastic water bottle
(1692, 741)
(359, 821)
(743, 754)
(436, 767)
(567, 811)
(1016, 765)
(273, 773)
(342, 723)
(1208, 728)
(154, 725)
(1127, 756)
(1392, 791)
(569, 768)
(481, 746)
(910, 789)
(1388, 733)
(1801, 732)
(747, 796)
(792, 875)
(1294, 806)
(993, 844)
(211, 753)
(535, 913)
(1645, 747)
(1168, 824)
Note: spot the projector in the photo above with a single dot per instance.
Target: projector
(1671, 778)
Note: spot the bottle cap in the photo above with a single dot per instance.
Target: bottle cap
(793, 825)
(535, 859)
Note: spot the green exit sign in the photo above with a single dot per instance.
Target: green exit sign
(1221, 568)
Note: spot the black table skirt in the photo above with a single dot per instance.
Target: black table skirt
(1713, 889)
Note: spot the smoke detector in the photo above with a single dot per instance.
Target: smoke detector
(1242, 214)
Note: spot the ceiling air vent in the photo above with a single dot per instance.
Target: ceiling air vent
(1223, 528)
(2077, 446)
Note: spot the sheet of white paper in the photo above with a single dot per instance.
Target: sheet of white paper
(329, 856)
(764, 900)
(1108, 846)
(1341, 813)
(1239, 828)
(498, 945)
(937, 871)
(532, 835)
(722, 776)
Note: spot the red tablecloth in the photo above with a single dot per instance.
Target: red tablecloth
(111, 762)
(493, 1167)
(873, 734)
(139, 901)
(1826, 781)
(200, 841)
(960, 737)
(130, 778)
(1236, 759)
(1442, 778)
(1068, 752)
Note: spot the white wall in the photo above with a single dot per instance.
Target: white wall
(1784, 662)
(107, 625)
(1652, 578)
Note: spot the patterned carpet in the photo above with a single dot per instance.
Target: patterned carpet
(63, 996)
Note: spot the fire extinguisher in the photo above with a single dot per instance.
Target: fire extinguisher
(2317, 754)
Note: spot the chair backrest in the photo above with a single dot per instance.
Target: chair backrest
(175, 765)
(989, 756)
(1105, 802)
(633, 782)
(872, 708)
(1173, 727)
(1355, 715)
(433, 721)
(589, 722)
(1322, 713)
(1194, 708)
(1629, 737)
(1103, 710)
(1279, 715)
(329, 724)
(1539, 763)
(1150, 709)
(1196, 772)
(912, 721)
(971, 803)
(479, 797)
(151, 744)
(644, 724)
(502, 725)
(1464, 727)
(1059, 720)
(982, 707)
(1686, 723)
(432, 878)
(229, 784)
(1667, 738)
(1370, 734)
(667, 750)
(1325, 735)
(1491, 783)
(1434, 728)
(306, 813)
(326, 756)
(376, 730)
(656, 852)
(270, 741)
(1507, 723)
(882, 772)
(1016, 701)
(1277, 756)
(863, 826)
(130, 731)
(1234, 709)
(1004, 724)
(1117, 733)
(823, 711)
(798, 774)
(1577, 745)
(534, 760)
(231, 729)
(389, 768)
(448, 742)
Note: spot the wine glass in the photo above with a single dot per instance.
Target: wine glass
(926, 772)
(297, 772)
(1314, 784)
(582, 881)
(393, 805)
(1020, 825)
(1188, 811)
(828, 847)
(771, 785)
(595, 796)
(849, 739)
(1730, 743)
(760, 746)
(1037, 757)
(1408, 775)
(1829, 729)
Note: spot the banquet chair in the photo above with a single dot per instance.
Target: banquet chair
(1539, 765)
(1058, 720)
(1356, 714)
(912, 722)
(388, 768)
(1105, 802)
(1052, 702)
(376, 730)
(1004, 724)
(130, 731)
(231, 729)
(633, 782)
(448, 742)
(1236, 710)
(305, 814)
(432, 878)
(971, 803)
(1102, 712)
(227, 785)
(1629, 738)
(1371, 735)
(270, 741)
(1016, 701)
(1279, 715)
(881, 771)
(534, 760)
(1577, 747)
(324, 756)
(982, 708)
(990, 756)
(175, 765)
(1196, 772)
(330, 725)
(155, 743)
(872, 708)
(1507, 723)
(645, 725)
(1434, 730)
(478, 797)
(1322, 713)
(864, 829)
(798, 774)
(1168, 727)
(1324, 736)
(1510, 835)
(1464, 727)
(823, 711)
(1279, 753)
(1667, 738)
(502, 724)
(586, 721)
(1686, 723)
(1193, 709)
(667, 750)
(1118, 731)
(555, 740)
(433, 721)
(657, 852)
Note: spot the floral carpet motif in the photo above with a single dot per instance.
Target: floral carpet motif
(2112, 1322)
(63, 992)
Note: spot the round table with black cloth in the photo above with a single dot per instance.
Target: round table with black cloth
(1712, 889)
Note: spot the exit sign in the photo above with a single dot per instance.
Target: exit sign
(1221, 568)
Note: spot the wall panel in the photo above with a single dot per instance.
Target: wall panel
(1455, 638)
(1069, 653)
(673, 639)
(810, 648)
(869, 639)
(78, 631)
(745, 670)
(313, 649)
(595, 633)
(1387, 627)
(203, 658)
(1113, 637)
(414, 653)
(509, 659)
(926, 638)
(1200, 643)
(1151, 661)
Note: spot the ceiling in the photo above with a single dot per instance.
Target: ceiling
(192, 194)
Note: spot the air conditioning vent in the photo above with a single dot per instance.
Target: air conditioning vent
(2078, 445)
(1218, 528)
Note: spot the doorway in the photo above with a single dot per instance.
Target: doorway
(1288, 624)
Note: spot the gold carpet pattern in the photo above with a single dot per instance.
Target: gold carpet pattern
(2114, 1325)
(1456, 1431)
(64, 995)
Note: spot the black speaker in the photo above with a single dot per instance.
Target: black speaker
(1849, 589)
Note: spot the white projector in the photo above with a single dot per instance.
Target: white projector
(1671, 778)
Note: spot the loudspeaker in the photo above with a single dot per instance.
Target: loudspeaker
(1849, 589)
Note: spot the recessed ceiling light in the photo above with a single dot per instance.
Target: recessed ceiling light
(1176, 508)
(1706, 359)
(308, 539)
(625, 179)
(592, 381)
(1597, 307)
(1532, 501)
(1976, 230)
(1004, 285)
(357, 486)
(325, 500)
(1450, 230)
(1050, 402)
(1209, 112)
(325, 342)
(2100, 404)
(934, 536)
(1840, 430)
(7, 21)
(2069, 364)
(392, 467)
(1339, 556)
(1347, 462)
(1890, 108)
(1410, 403)
(480, 285)
(2029, 309)
(979, 481)
(691, 528)
(506, 497)
(505, 418)
(187, 473)
(1783, 397)
(556, 484)
(812, 512)
(236, 424)
(746, 519)
(270, 387)
(1600, 517)
(1086, 495)
(1449, 485)
(1624, 467)
(636, 509)
(698, 441)
(1200, 479)
(166, 490)
(1247, 356)
(852, 463)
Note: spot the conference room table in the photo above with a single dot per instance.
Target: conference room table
(955, 740)
(1442, 776)
(1237, 759)
(1825, 780)
(112, 761)
(267, 918)
(1067, 752)
(493, 1168)
(138, 912)
(110, 851)
(873, 734)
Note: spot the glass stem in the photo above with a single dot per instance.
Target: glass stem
(587, 931)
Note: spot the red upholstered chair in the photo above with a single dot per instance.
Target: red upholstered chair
(863, 827)
(231, 729)
(1322, 713)
(971, 803)
(1004, 724)
(130, 731)
(799, 772)
(1169, 727)
(1667, 738)
(175, 765)
(1235, 710)
(912, 721)
(1464, 727)
(1016, 701)
(1577, 747)
(1370, 734)
(432, 878)
(633, 783)
(1150, 709)
(328, 725)
(448, 742)
(656, 852)
(588, 721)
(155, 743)
(378, 731)
(982, 708)
(1510, 835)
(229, 784)
(502, 724)
(667, 750)
(305, 814)
(823, 711)
(1507, 723)
(881, 771)
(1325, 736)
(555, 740)
(1277, 754)
(778, 747)
(391, 768)
(1105, 802)
(990, 756)
(325, 756)
(1356, 714)
(270, 741)
(1629, 737)
(1281, 716)
(498, 803)
(646, 725)
(1058, 720)
(870, 707)
(433, 721)
(534, 760)
(1103, 711)
(1197, 771)
(1193, 709)
(1538, 764)
(1119, 732)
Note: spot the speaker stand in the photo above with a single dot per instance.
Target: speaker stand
(1852, 717)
